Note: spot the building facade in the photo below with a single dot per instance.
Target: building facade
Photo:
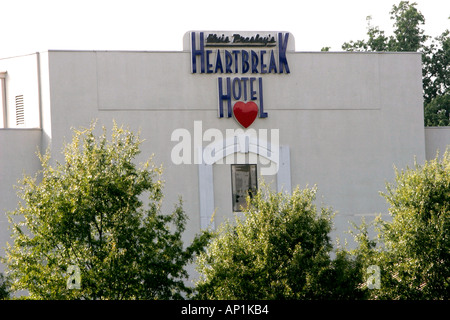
(229, 110)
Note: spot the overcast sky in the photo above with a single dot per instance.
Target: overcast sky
(28, 26)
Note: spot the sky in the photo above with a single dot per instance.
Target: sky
(28, 26)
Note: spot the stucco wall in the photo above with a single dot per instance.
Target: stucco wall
(22, 80)
(437, 140)
(347, 118)
(18, 156)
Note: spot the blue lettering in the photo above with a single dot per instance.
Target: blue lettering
(245, 79)
(236, 53)
(228, 61)
(208, 65)
(252, 92)
(197, 52)
(254, 62)
(282, 46)
(218, 63)
(261, 57)
(235, 89)
(226, 97)
(262, 114)
(245, 61)
(245, 64)
(238, 95)
(272, 63)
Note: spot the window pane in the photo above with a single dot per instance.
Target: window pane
(243, 183)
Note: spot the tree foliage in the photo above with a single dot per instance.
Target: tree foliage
(413, 249)
(437, 112)
(408, 32)
(408, 21)
(409, 35)
(90, 212)
(279, 249)
(4, 288)
(436, 69)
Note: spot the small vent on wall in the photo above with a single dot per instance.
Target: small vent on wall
(20, 111)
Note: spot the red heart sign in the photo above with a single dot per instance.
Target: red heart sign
(245, 113)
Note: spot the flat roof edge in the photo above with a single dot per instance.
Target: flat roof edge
(187, 51)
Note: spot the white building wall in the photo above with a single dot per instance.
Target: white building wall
(22, 87)
(18, 149)
(344, 119)
(437, 141)
(347, 118)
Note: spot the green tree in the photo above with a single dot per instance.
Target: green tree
(408, 33)
(437, 112)
(436, 69)
(413, 249)
(410, 36)
(4, 287)
(377, 40)
(89, 215)
(279, 249)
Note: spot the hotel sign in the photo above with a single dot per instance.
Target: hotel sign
(215, 40)
(241, 60)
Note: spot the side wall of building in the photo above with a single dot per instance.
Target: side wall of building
(22, 91)
(22, 137)
(437, 141)
(18, 149)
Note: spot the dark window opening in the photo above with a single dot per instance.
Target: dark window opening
(243, 184)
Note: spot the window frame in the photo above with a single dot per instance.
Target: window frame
(237, 206)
